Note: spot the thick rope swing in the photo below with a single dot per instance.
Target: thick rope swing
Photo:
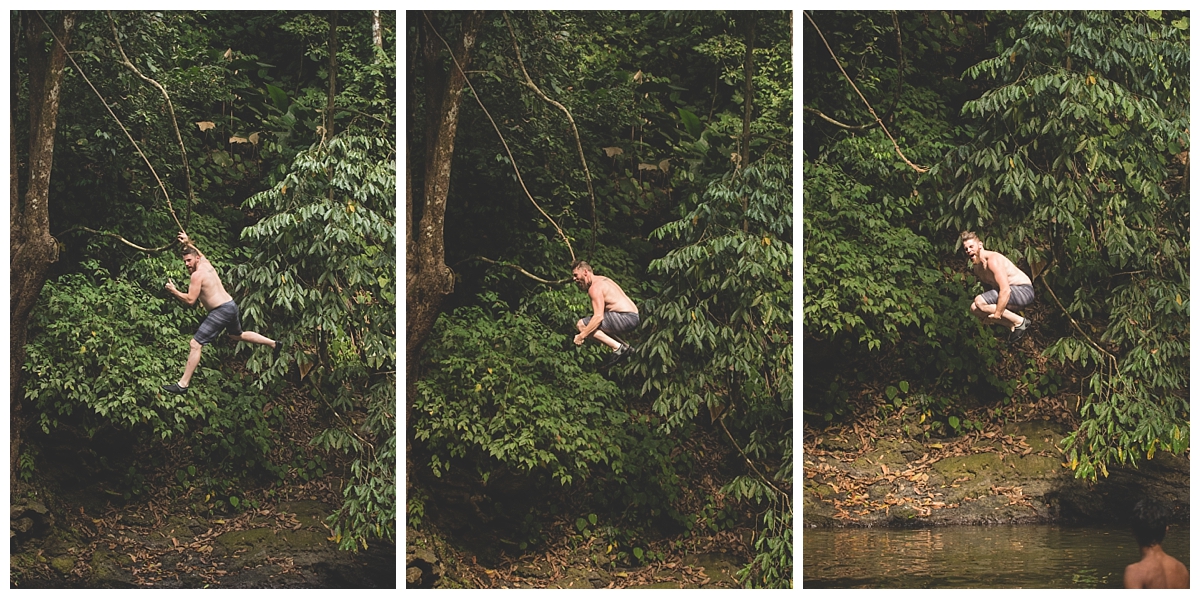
(161, 186)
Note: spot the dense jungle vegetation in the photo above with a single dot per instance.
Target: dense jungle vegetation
(268, 136)
(656, 146)
(1062, 139)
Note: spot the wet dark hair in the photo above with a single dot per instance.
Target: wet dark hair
(187, 249)
(1150, 522)
(581, 264)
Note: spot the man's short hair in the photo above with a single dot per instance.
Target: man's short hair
(581, 265)
(1150, 522)
(187, 249)
(968, 235)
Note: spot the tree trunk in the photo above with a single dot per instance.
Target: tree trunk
(749, 105)
(429, 279)
(333, 24)
(376, 29)
(33, 248)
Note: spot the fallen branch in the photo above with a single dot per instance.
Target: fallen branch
(919, 169)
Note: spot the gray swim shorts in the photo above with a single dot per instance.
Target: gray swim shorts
(223, 318)
(1019, 296)
(616, 322)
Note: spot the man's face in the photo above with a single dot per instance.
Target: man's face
(191, 260)
(582, 278)
(972, 248)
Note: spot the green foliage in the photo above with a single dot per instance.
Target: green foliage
(721, 326)
(102, 347)
(714, 343)
(500, 391)
(771, 566)
(1078, 166)
(323, 262)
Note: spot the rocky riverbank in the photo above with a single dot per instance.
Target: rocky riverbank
(1013, 474)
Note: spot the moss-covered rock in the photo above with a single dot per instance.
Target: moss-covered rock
(110, 570)
(971, 466)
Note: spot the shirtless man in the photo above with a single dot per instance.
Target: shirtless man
(222, 311)
(1008, 287)
(612, 311)
(1157, 570)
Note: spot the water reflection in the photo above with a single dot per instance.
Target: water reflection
(976, 557)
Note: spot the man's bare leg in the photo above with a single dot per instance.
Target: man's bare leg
(606, 340)
(599, 336)
(982, 311)
(252, 337)
(193, 360)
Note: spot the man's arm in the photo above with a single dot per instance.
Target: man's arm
(189, 298)
(1003, 291)
(597, 314)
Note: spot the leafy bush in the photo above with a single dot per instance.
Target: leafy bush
(500, 390)
(100, 350)
(103, 347)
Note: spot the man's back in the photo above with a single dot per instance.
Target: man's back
(1157, 570)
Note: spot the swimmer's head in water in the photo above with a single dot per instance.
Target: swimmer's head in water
(1150, 522)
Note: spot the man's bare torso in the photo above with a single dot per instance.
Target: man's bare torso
(614, 297)
(985, 274)
(212, 292)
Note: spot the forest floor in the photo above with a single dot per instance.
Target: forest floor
(461, 541)
(74, 528)
(704, 562)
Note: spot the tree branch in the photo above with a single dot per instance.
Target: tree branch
(522, 271)
(751, 464)
(838, 123)
(117, 237)
(899, 68)
(919, 169)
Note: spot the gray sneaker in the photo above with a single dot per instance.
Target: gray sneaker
(1018, 333)
(616, 356)
(175, 388)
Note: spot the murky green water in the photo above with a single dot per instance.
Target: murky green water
(976, 557)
